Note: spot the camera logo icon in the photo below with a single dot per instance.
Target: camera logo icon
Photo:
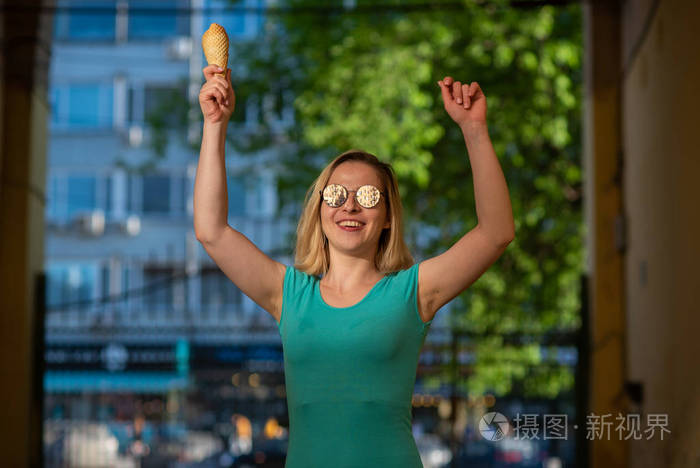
(494, 426)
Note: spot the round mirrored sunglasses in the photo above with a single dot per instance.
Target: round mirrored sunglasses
(335, 195)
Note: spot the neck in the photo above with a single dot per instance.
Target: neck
(350, 270)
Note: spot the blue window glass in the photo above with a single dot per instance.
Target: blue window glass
(108, 200)
(81, 194)
(156, 194)
(159, 286)
(261, 17)
(229, 14)
(180, 194)
(86, 20)
(158, 19)
(217, 289)
(52, 198)
(125, 280)
(159, 102)
(89, 105)
(104, 276)
(54, 104)
(83, 105)
(236, 195)
(70, 283)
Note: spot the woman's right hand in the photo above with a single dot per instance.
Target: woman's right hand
(216, 98)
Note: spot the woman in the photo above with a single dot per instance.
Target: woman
(351, 338)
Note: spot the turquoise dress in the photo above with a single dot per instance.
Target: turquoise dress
(350, 373)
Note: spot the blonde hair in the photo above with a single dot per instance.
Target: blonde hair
(312, 254)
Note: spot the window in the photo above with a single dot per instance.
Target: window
(158, 19)
(229, 15)
(126, 273)
(104, 277)
(131, 104)
(131, 198)
(158, 284)
(108, 196)
(55, 105)
(86, 20)
(155, 194)
(161, 100)
(70, 282)
(236, 195)
(72, 194)
(54, 197)
(88, 105)
(217, 289)
(179, 204)
(259, 197)
(81, 194)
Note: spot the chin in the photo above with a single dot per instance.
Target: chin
(353, 246)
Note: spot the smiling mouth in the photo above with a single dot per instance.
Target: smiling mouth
(350, 228)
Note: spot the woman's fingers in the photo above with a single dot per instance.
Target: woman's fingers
(217, 93)
(225, 84)
(449, 81)
(462, 94)
(210, 71)
(475, 90)
(454, 88)
(217, 87)
(221, 82)
(457, 92)
(222, 88)
(446, 94)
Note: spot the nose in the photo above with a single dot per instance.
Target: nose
(351, 203)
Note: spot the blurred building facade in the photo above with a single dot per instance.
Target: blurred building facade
(136, 309)
(129, 288)
(134, 303)
(113, 226)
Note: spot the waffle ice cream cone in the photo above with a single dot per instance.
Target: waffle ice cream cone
(215, 45)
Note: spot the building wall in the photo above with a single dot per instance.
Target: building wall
(106, 74)
(660, 105)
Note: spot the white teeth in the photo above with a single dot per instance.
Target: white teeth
(350, 223)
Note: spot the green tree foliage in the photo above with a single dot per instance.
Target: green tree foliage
(366, 78)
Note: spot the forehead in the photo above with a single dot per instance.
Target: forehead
(353, 174)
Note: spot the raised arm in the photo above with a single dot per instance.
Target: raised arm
(250, 269)
(442, 278)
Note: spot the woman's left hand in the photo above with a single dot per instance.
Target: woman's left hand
(465, 103)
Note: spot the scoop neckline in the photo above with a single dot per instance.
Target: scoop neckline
(369, 293)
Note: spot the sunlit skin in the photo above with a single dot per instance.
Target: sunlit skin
(352, 253)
